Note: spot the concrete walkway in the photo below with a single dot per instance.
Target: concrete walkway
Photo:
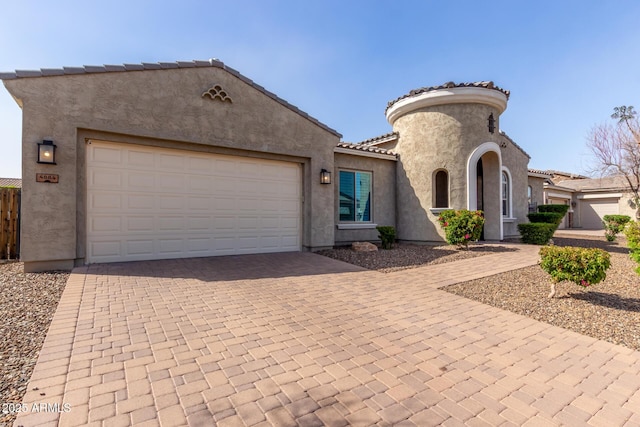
(300, 339)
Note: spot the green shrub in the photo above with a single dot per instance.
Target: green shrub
(536, 233)
(387, 235)
(562, 209)
(633, 241)
(614, 224)
(546, 217)
(461, 227)
(582, 266)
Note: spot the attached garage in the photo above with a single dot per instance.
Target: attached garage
(593, 210)
(148, 203)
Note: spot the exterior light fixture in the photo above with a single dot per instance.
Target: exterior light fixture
(325, 177)
(47, 152)
(491, 123)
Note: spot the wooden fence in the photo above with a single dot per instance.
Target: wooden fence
(9, 223)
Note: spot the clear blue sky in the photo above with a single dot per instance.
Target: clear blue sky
(567, 63)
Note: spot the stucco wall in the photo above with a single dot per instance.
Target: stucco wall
(537, 190)
(431, 138)
(516, 162)
(165, 108)
(384, 195)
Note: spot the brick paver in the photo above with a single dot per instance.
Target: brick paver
(300, 339)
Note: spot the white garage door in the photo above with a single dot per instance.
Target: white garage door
(594, 210)
(156, 203)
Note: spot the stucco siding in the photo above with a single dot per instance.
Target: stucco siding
(165, 108)
(432, 138)
(516, 162)
(384, 195)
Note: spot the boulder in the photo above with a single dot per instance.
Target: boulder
(363, 247)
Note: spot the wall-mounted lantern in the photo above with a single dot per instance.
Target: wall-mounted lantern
(491, 122)
(47, 152)
(325, 177)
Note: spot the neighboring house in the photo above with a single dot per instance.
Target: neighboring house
(589, 199)
(11, 182)
(593, 198)
(188, 159)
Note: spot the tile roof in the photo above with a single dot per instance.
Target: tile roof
(380, 139)
(215, 63)
(567, 174)
(11, 182)
(366, 148)
(449, 85)
(538, 171)
(615, 182)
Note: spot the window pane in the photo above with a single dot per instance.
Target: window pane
(442, 190)
(347, 196)
(505, 194)
(363, 196)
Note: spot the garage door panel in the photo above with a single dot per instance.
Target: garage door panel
(152, 203)
(170, 162)
(106, 156)
(109, 179)
(140, 224)
(105, 223)
(199, 184)
(139, 201)
(199, 203)
(592, 212)
(199, 223)
(139, 247)
(170, 223)
(104, 201)
(170, 202)
(139, 181)
(140, 159)
(106, 249)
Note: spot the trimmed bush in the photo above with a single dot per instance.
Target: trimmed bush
(461, 227)
(614, 224)
(633, 241)
(561, 209)
(582, 266)
(536, 233)
(543, 224)
(387, 235)
(546, 217)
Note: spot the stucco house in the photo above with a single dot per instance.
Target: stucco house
(186, 159)
(589, 199)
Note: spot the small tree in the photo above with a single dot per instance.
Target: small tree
(616, 150)
(614, 224)
(582, 266)
(461, 227)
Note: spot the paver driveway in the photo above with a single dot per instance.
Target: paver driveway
(297, 338)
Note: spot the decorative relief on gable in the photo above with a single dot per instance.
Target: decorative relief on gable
(217, 92)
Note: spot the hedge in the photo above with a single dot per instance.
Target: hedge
(536, 233)
(545, 217)
(562, 209)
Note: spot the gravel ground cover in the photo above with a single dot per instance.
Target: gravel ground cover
(608, 311)
(403, 257)
(27, 304)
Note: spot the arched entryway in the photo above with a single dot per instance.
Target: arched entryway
(484, 168)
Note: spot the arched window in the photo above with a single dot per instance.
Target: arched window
(505, 195)
(441, 189)
(529, 195)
